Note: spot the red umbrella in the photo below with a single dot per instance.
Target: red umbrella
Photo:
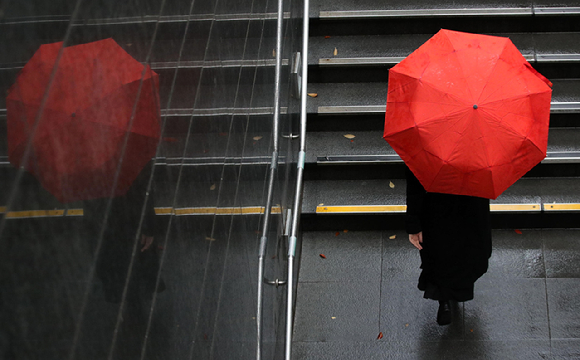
(78, 143)
(468, 114)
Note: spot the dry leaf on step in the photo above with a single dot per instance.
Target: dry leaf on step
(257, 138)
(312, 94)
(349, 136)
(335, 51)
(322, 256)
(392, 237)
(391, 185)
(212, 187)
(380, 336)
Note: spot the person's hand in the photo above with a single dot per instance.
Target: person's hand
(416, 240)
(146, 241)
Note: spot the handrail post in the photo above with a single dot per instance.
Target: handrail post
(271, 178)
(292, 240)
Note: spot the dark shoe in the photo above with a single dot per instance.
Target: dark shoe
(444, 313)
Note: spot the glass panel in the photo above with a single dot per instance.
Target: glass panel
(133, 196)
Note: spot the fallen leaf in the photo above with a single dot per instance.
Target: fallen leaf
(209, 238)
(335, 51)
(380, 336)
(312, 94)
(471, 330)
(337, 233)
(518, 232)
(349, 136)
(334, 317)
(273, 53)
(322, 256)
(327, 37)
(391, 185)
(129, 45)
(345, 231)
(406, 325)
(320, 204)
(212, 187)
(393, 237)
(257, 138)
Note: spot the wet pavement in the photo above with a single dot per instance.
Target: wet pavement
(526, 307)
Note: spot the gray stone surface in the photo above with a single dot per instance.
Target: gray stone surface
(520, 310)
(337, 311)
(563, 295)
(350, 256)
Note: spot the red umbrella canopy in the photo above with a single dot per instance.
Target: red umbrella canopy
(78, 143)
(468, 114)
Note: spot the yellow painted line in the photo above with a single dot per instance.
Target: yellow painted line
(360, 209)
(247, 210)
(324, 209)
(33, 214)
(163, 211)
(25, 214)
(515, 207)
(561, 207)
(194, 211)
(75, 212)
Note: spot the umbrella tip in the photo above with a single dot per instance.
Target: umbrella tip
(475, 106)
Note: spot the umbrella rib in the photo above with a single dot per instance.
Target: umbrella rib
(491, 73)
(501, 122)
(436, 88)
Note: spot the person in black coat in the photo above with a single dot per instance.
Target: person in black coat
(453, 234)
(130, 218)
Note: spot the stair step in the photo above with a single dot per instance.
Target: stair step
(380, 204)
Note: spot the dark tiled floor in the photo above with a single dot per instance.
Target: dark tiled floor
(526, 307)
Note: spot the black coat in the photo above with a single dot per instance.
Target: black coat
(128, 217)
(456, 240)
(125, 214)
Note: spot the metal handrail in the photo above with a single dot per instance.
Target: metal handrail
(299, 184)
(271, 178)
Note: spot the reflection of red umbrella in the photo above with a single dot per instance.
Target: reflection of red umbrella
(467, 114)
(78, 143)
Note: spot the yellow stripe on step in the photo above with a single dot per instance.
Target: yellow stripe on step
(514, 207)
(75, 212)
(562, 207)
(33, 214)
(361, 209)
(247, 210)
